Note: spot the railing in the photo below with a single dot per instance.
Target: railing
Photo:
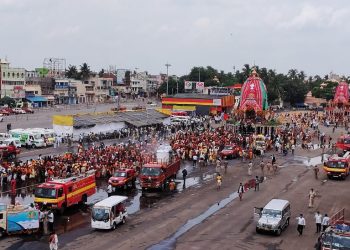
(338, 218)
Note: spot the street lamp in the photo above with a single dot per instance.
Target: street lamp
(167, 65)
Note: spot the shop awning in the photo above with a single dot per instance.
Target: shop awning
(36, 99)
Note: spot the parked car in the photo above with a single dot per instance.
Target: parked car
(4, 112)
(230, 151)
(9, 110)
(28, 110)
(18, 111)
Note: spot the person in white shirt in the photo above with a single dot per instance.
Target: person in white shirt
(301, 224)
(53, 241)
(318, 220)
(325, 222)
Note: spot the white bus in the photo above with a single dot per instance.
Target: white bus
(108, 213)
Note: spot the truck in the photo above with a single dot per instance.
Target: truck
(58, 194)
(156, 175)
(343, 142)
(337, 235)
(28, 138)
(338, 166)
(123, 178)
(18, 219)
(9, 152)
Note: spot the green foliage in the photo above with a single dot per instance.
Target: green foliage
(83, 74)
(6, 100)
(172, 88)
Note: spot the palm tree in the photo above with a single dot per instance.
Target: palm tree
(72, 72)
(85, 71)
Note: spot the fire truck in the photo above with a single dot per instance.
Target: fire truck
(337, 235)
(344, 142)
(59, 194)
(338, 166)
(155, 175)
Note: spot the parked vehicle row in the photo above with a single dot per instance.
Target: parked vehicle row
(15, 111)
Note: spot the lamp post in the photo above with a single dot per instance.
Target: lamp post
(167, 65)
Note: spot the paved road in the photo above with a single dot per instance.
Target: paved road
(42, 118)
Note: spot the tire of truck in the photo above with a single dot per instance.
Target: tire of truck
(123, 220)
(114, 227)
(2, 232)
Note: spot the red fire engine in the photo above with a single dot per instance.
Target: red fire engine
(62, 193)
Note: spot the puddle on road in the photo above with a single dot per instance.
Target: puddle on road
(170, 242)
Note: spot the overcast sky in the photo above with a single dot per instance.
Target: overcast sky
(281, 34)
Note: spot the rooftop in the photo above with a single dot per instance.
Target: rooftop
(195, 96)
(134, 118)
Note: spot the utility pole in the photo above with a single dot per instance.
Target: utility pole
(167, 65)
(199, 74)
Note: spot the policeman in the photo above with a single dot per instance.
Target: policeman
(50, 218)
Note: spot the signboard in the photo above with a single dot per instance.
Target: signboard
(200, 85)
(219, 91)
(188, 85)
(18, 92)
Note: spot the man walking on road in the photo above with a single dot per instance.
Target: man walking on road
(312, 195)
(318, 219)
(257, 182)
(240, 191)
(301, 224)
(184, 174)
(325, 222)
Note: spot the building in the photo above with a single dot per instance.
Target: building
(138, 82)
(12, 81)
(153, 84)
(66, 91)
(201, 104)
(39, 86)
(99, 89)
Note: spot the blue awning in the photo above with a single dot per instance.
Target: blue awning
(36, 99)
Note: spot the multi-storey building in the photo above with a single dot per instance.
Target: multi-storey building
(12, 81)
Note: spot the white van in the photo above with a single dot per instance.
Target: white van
(274, 217)
(108, 213)
(15, 141)
(28, 138)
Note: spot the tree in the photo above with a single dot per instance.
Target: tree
(85, 71)
(172, 87)
(294, 90)
(100, 74)
(72, 72)
(6, 100)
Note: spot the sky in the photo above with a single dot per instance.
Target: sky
(146, 34)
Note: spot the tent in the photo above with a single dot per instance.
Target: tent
(104, 122)
(341, 93)
(253, 94)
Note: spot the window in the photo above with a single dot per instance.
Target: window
(1, 216)
(3, 74)
(13, 74)
(17, 75)
(8, 74)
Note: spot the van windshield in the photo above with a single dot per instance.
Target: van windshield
(150, 171)
(100, 214)
(335, 164)
(271, 213)
(45, 192)
(37, 136)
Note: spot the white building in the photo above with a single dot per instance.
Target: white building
(12, 80)
(138, 82)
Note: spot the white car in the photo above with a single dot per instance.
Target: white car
(15, 141)
(19, 111)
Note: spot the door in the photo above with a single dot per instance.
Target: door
(257, 213)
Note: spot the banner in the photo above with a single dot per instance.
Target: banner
(188, 85)
(200, 85)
